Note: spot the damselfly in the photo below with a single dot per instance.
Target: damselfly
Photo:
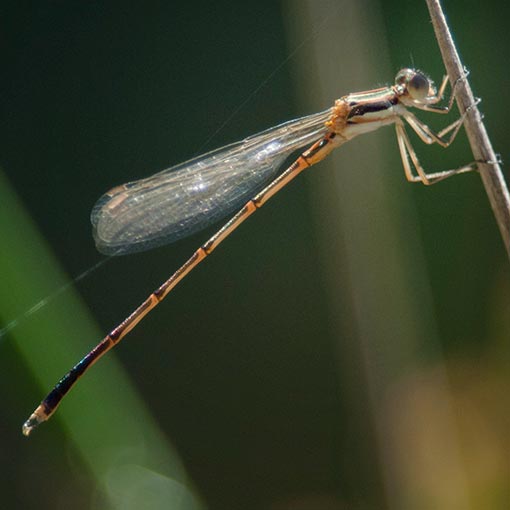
(188, 197)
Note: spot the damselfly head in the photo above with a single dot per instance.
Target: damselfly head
(415, 84)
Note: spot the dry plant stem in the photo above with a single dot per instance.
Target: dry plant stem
(492, 176)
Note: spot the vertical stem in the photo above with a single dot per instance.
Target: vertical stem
(492, 176)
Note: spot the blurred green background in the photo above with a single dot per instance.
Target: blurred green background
(347, 348)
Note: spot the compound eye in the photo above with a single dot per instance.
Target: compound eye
(418, 86)
(403, 76)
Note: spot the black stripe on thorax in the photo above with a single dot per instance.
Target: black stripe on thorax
(372, 106)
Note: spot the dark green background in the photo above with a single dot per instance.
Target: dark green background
(241, 367)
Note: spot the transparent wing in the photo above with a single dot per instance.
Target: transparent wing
(188, 197)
